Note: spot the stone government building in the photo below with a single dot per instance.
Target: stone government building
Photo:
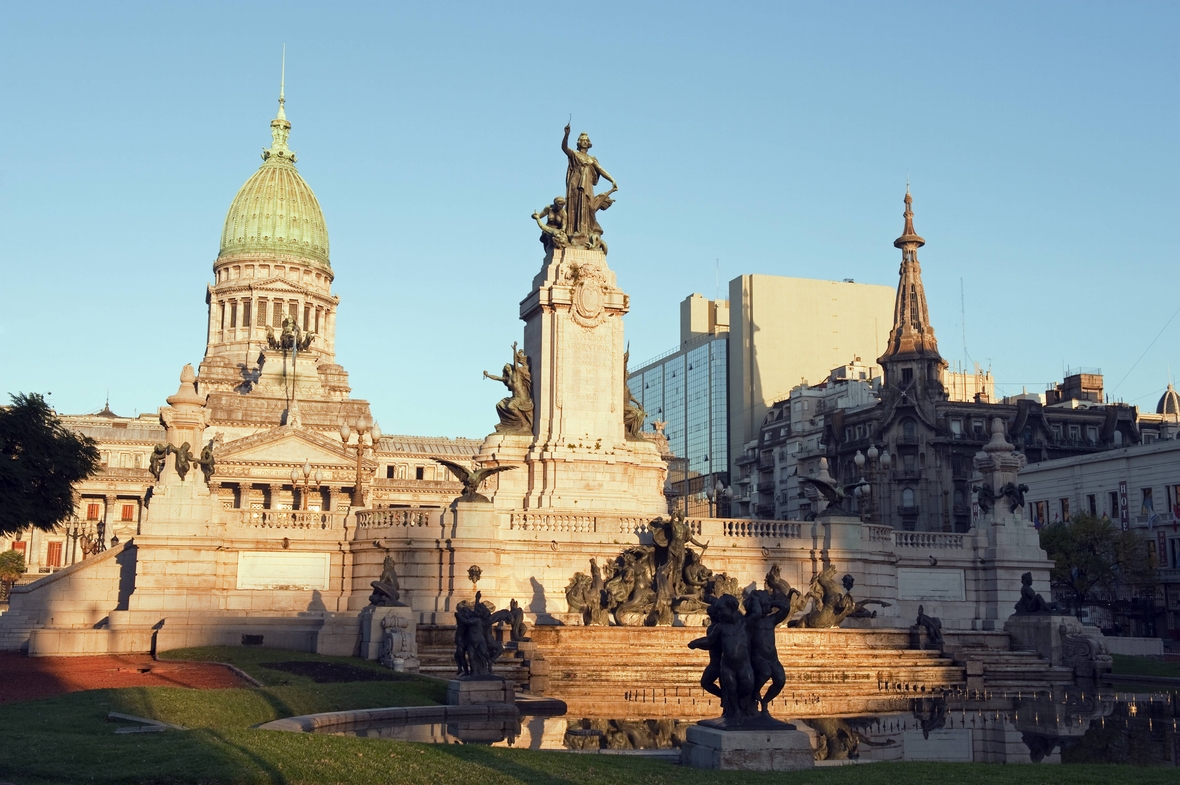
(258, 511)
(273, 265)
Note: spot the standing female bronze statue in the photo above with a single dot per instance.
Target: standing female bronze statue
(581, 203)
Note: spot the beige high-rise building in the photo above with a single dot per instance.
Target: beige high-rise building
(784, 332)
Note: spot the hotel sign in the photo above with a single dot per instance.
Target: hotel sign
(1124, 507)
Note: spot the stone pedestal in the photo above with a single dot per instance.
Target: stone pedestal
(388, 634)
(479, 689)
(578, 458)
(746, 750)
(1063, 641)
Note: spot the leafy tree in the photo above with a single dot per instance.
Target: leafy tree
(40, 462)
(1093, 557)
(12, 566)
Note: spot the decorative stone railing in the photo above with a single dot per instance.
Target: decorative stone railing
(742, 527)
(289, 519)
(881, 534)
(372, 519)
(927, 540)
(579, 524)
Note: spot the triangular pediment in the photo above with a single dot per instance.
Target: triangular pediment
(287, 445)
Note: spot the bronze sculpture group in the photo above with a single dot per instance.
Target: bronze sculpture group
(476, 647)
(572, 221)
(184, 460)
(648, 584)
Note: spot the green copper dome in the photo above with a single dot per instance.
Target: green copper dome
(276, 212)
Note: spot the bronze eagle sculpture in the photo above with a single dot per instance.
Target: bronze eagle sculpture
(472, 478)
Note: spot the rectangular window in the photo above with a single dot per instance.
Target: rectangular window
(1147, 505)
(956, 427)
(293, 312)
(246, 313)
(277, 314)
(317, 320)
(1113, 512)
(306, 318)
(1065, 509)
(53, 555)
(222, 307)
(21, 546)
(1092, 502)
(419, 473)
(261, 313)
(128, 512)
(92, 512)
(907, 374)
(1092, 434)
(233, 314)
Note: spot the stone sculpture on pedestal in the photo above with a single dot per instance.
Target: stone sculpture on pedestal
(648, 584)
(206, 463)
(515, 411)
(1030, 601)
(832, 606)
(472, 478)
(387, 589)
(476, 648)
(583, 173)
(157, 460)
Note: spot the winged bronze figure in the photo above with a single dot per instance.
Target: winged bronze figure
(833, 493)
(472, 478)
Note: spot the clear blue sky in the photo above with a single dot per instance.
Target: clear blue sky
(1040, 140)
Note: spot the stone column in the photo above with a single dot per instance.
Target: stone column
(326, 492)
(111, 502)
(275, 490)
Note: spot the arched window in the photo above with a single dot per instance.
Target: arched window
(1118, 438)
(958, 497)
(907, 497)
(909, 429)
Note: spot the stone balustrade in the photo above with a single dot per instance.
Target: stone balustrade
(926, 540)
(881, 534)
(372, 519)
(290, 519)
(742, 527)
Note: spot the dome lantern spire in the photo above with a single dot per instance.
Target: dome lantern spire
(280, 128)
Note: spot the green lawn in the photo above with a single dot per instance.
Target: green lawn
(1126, 665)
(68, 739)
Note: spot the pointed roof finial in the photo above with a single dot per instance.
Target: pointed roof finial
(280, 127)
(283, 85)
(909, 238)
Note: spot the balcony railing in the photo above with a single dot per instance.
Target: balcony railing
(926, 540)
(290, 519)
(903, 510)
(371, 519)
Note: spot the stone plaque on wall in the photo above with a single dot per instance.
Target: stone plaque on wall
(916, 583)
(291, 571)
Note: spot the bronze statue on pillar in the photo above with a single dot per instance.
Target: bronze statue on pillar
(516, 411)
(583, 173)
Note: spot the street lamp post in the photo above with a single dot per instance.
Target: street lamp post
(875, 460)
(362, 427)
(304, 482)
(715, 495)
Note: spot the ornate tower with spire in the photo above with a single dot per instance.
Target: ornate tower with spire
(272, 285)
(911, 360)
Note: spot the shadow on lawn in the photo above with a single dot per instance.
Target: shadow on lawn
(482, 756)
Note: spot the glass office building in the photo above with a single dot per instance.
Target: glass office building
(687, 389)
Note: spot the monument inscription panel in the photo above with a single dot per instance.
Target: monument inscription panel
(916, 583)
(291, 571)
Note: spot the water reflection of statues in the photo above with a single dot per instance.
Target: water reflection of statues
(836, 739)
(553, 230)
(516, 411)
(581, 176)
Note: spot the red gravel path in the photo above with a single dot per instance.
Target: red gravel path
(26, 678)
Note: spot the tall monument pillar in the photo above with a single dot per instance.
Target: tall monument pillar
(566, 423)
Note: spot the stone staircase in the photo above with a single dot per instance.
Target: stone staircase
(436, 657)
(991, 664)
(649, 672)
